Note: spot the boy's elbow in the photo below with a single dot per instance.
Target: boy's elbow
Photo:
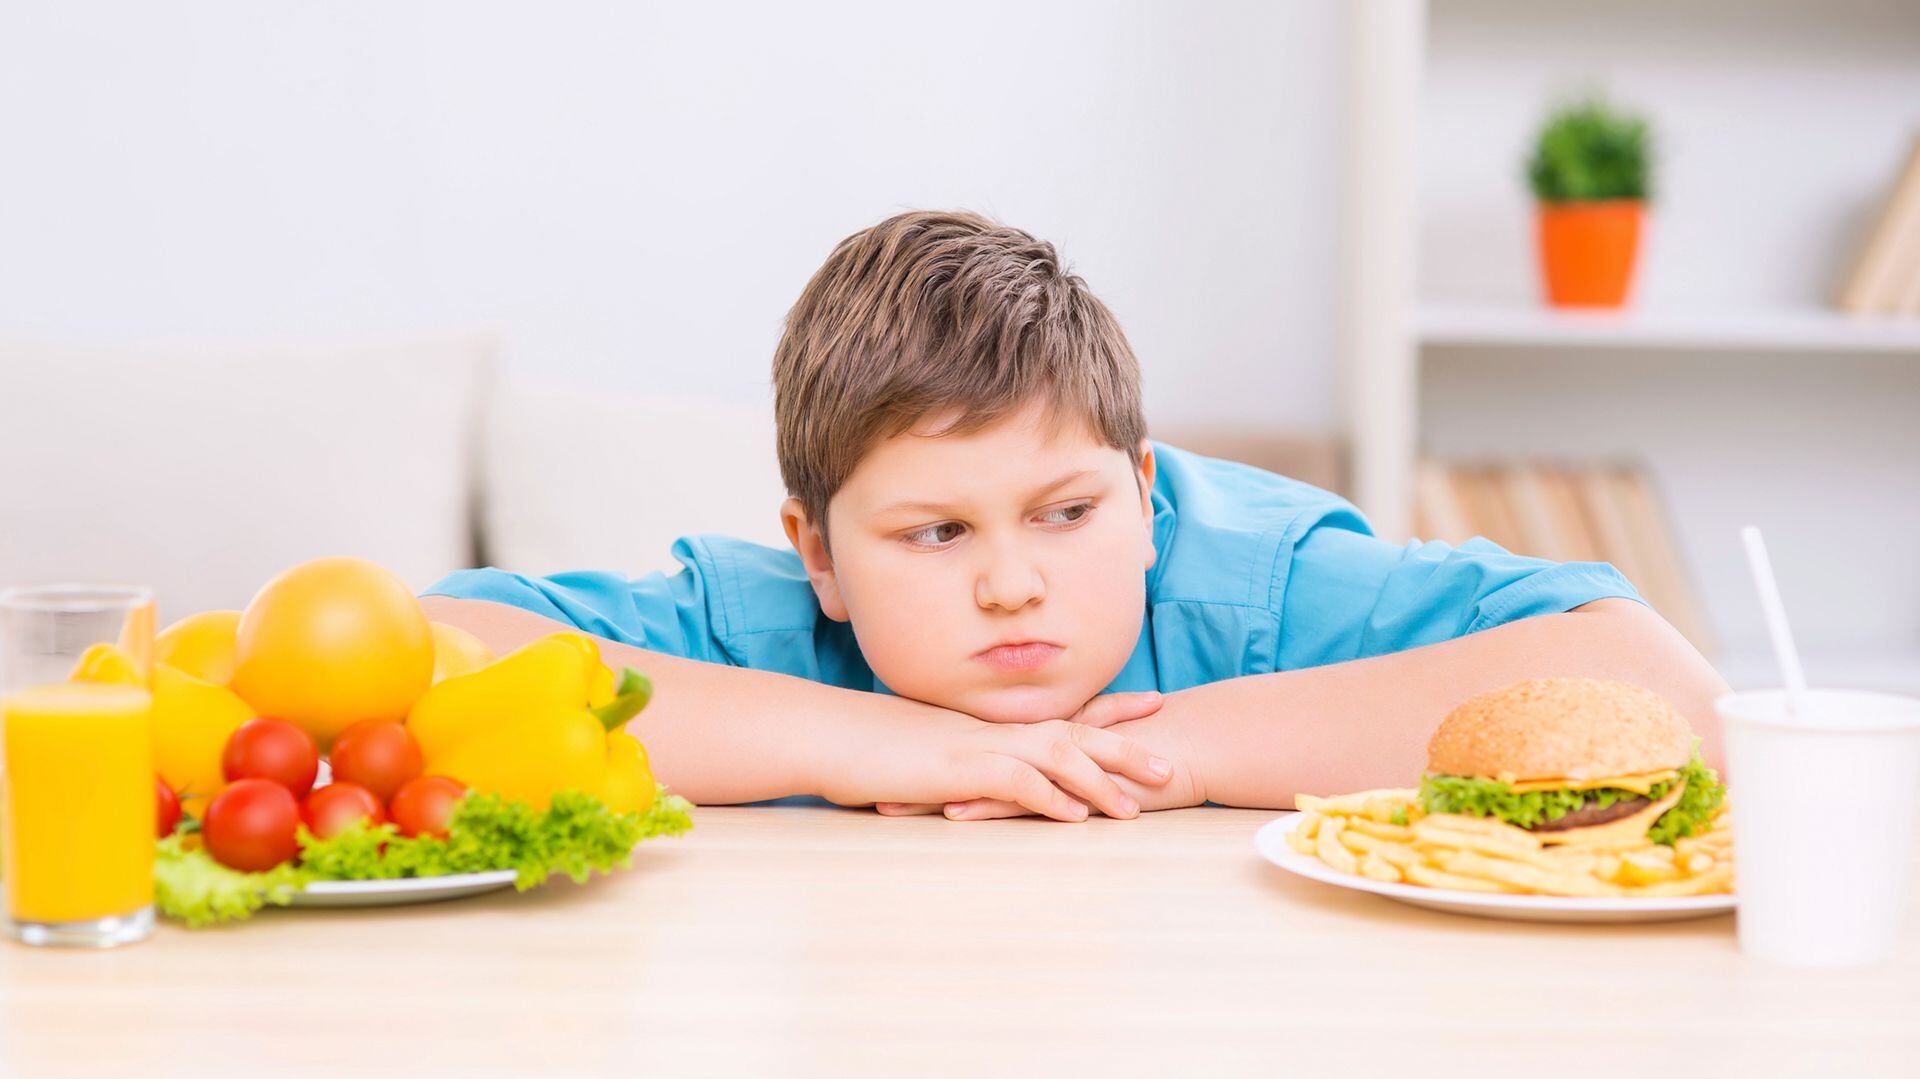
(1634, 644)
(500, 626)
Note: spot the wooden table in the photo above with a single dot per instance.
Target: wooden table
(802, 940)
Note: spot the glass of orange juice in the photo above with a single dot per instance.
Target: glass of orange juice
(77, 807)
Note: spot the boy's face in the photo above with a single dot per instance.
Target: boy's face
(1001, 573)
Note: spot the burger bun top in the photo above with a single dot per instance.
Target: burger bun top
(1561, 728)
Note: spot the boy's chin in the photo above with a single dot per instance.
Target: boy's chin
(1021, 704)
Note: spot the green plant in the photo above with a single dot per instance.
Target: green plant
(1588, 151)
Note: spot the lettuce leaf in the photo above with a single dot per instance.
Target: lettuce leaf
(1696, 806)
(576, 835)
(189, 885)
(1492, 798)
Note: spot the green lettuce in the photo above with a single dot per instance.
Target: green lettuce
(1697, 804)
(1492, 798)
(191, 886)
(576, 835)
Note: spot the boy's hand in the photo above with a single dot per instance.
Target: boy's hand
(1159, 733)
(1068, 765)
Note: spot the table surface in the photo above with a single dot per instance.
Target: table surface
(817, 940)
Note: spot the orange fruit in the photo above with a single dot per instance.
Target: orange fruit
(201, 645)
(331, 642)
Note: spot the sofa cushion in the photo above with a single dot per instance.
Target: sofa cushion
(580, 480)
(204, 469)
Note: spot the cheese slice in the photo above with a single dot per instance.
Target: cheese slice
(1643, 783)
(1625, 832)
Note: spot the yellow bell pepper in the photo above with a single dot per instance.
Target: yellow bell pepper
(540, 720)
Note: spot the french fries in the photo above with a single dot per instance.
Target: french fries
(1383, 835)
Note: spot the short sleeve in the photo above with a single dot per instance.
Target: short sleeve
(1349, 595)
(661, 613)
(737, 603)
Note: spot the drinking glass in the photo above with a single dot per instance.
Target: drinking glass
(77, 807)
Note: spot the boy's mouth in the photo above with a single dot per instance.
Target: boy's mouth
(1019, 655)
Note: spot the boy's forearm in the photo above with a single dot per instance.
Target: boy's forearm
(1259, 740)
(715, 734)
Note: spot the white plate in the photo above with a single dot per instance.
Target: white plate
(1271, 842)
(383, 893)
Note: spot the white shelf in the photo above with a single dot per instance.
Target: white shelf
(1787, 330)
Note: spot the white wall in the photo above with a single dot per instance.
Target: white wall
(635, 193)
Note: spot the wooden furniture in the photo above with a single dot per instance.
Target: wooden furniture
(777, 941)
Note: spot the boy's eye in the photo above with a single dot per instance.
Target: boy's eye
(1068, 515)
(935, 535)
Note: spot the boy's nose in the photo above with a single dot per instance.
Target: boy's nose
(1009, 583)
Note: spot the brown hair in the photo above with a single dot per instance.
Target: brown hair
(928, 313)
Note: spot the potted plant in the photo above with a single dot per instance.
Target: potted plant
(1589, 173)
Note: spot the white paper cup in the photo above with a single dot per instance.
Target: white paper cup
(1824, 806)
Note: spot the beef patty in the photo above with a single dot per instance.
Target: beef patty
(1589, 815)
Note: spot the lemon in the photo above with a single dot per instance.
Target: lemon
(201, 645)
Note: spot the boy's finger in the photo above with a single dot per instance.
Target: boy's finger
(984, 809)
(1017, 781)
(1111, 708)
(1123, 756)
(1068, 766)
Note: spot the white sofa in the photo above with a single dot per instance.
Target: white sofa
(204, 469)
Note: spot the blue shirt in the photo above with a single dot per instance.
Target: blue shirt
(1255, 573)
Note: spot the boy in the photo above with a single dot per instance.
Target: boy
(1003, 599)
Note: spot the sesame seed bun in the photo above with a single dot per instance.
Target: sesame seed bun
(1561, 728)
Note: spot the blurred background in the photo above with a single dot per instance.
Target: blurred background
(451, 283)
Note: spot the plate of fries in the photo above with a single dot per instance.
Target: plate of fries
(1381, 841)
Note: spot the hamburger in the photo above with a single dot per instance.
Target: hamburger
(1573, 760)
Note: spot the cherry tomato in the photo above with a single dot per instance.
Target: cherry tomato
(251, 825)
(166, 808)
(335, 807)
(272, 749)
(424, 806)
(378, 754)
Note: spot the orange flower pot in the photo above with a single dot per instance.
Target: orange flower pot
(1588, 251)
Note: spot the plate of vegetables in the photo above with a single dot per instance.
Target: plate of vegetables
(329, 746)
(490, 843)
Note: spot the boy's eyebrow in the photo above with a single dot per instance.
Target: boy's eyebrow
(1038, 493)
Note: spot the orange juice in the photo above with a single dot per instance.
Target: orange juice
(78, 802)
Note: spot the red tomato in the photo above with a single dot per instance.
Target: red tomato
(251, 825)
(335, 807)
(272, 749)
(378, 754)
(425, 805)
(166, 808)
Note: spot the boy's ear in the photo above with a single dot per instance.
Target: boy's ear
(1146, 497)
(812, 549)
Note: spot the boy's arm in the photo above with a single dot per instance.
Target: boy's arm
(1260, 739)
(720, 734)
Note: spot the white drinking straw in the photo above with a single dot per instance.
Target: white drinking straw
(1776, 614)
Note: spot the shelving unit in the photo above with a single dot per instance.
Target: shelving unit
(1397, 328)
(1808, 330)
